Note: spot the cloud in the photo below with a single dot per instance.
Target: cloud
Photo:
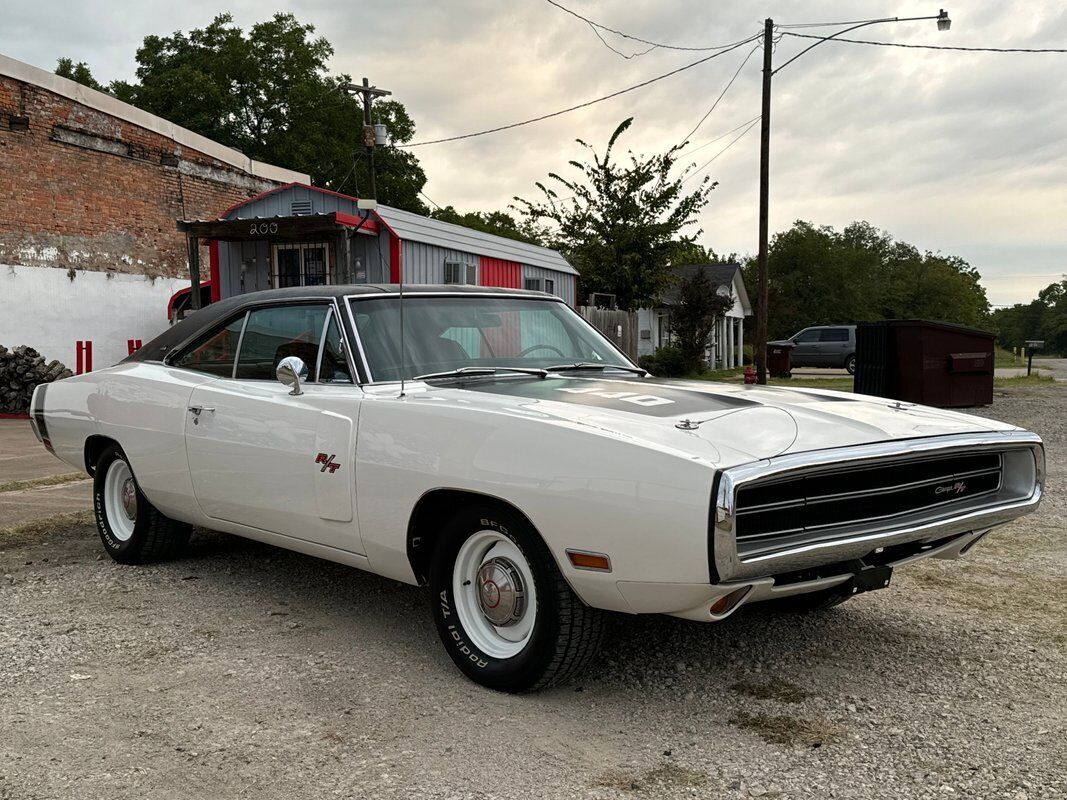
(955, 152)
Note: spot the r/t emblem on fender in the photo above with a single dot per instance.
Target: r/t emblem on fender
(327, 462)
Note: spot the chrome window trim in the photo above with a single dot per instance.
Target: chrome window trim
(240, 340)
(728, 565)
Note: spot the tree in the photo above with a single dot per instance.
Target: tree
(693, 318)
(820, 276)
(66, 68)
(269, 94)
(1044, 318)
(499, 223)
(621, 220)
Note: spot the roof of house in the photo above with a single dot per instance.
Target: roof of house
(112, 106)
(718, 275)
(417, 228)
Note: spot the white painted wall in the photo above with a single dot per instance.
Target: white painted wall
(44, 308)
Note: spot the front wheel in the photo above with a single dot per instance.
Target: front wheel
(850, 365)
(132, 529)
(505, 614)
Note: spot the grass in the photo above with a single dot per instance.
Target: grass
(37, 483)
(1005, 358)
(23, 534)
(784, 729)
(1036, 379)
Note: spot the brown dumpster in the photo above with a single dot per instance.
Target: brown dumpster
(778, 365)
(918, 361)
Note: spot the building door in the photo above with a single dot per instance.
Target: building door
(302, 264)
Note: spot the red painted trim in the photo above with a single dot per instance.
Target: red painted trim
(396, 256)
(351, 220)
(14, 415)
(216, 285)
(83, 354)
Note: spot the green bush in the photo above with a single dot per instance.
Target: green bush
(667, 362)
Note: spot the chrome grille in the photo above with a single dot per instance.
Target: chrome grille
(821, 502)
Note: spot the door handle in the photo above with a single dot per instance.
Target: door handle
(198, 410)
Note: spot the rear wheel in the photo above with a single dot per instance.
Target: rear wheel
(850, 365)
(132, 530)
(505, 614)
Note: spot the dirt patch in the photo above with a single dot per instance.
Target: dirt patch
(666, 778)
(782, 691)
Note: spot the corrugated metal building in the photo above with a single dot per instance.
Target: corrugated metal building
(302, 235)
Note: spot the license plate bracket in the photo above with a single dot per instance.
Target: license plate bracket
(871, 579)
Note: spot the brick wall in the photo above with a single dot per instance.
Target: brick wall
(82, 189)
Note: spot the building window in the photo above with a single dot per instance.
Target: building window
(459, 273)
(550, 286)
(304, 264)
(533, 285)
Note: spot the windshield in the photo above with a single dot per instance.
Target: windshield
(447, 333)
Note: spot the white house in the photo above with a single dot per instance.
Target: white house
(727, 342)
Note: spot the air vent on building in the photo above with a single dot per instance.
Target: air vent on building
(298, 207)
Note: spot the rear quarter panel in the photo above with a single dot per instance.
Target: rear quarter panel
(142, 406)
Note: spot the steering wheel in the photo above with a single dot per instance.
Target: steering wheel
(534, 347)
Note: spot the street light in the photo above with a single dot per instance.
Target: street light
(760, 344)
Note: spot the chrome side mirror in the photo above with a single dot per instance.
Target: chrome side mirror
(290, 371)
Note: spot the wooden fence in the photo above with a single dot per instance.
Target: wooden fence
(619, 326)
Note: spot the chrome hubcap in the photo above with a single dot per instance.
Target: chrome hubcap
(129, 499)
(501, 594)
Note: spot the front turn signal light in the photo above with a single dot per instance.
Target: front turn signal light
(581, 559)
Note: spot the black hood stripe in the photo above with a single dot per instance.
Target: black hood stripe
(647, 396)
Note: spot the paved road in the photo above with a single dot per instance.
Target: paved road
(22, 458)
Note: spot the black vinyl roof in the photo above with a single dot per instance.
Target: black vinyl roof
(207, 317)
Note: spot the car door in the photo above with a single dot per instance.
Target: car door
(805, 352)
(262, 457)
(834, 344)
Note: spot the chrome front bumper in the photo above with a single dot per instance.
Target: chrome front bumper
(1020, 495)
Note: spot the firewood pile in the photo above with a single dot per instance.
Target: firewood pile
(21, 369)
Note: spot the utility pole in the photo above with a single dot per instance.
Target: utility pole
(370, 138)
(760, 345)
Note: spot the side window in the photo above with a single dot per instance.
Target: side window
(334, 365)
(215, 353)
(275, 333)
(810, 335)
(834, 335)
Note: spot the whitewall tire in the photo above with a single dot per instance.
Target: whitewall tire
(504, 613)
(132, 530)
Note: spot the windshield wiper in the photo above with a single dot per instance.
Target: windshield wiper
(590, 365)
(475, 371)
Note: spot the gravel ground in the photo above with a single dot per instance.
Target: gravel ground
(245, 671)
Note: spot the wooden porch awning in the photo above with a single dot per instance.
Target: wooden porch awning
(291, 229)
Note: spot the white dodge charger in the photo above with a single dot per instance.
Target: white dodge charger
(501, 450)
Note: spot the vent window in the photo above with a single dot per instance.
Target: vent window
(299, 207)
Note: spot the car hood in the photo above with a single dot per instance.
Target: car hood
(723, 424)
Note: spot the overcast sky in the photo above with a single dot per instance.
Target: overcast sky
(963, 153)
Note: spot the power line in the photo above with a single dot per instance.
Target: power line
(586, 104)
(722, 94)
(931, 46)
(614, 49)
(722, 136)
(734, 141)
(653, 45)
(431, 200)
